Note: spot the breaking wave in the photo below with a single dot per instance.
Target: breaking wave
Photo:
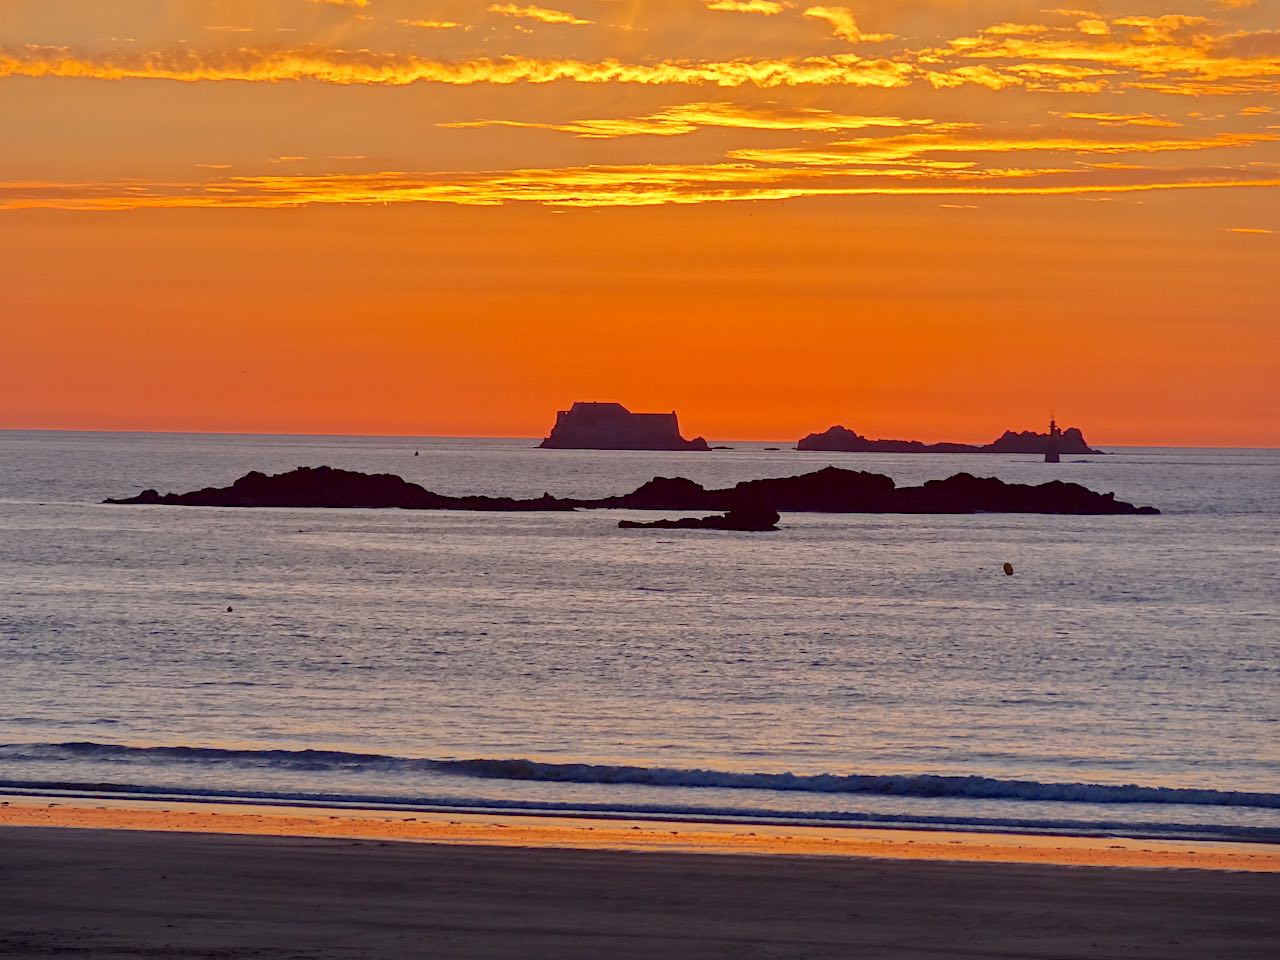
(648, 811)
(888, 785)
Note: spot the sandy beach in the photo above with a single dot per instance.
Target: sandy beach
(119, 881)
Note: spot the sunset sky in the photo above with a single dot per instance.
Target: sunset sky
(919, 218)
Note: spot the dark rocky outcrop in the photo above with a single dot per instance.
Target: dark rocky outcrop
(670, 493)
(1071, 440)
(330, 487)
(840, 439)
(611, 426)
(843, 440)
(829, 490)
(964, 493)
(747, 517)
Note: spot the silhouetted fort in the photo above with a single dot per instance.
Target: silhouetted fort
(611, 426)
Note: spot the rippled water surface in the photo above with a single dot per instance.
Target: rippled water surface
(885, 661)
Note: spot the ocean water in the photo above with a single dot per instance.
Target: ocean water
(850, 670)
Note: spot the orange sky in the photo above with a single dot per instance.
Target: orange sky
(921, 219)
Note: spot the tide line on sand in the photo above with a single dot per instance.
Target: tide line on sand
(638, 835)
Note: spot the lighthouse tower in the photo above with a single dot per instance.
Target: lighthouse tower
(1052, 445)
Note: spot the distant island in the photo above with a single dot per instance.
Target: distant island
(843, 440)
(829, 490)
(611, 426)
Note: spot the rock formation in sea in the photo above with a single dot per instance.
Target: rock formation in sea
(746, 517)
(843, 440)
(611, 426)
(1071, 440)
(829, 490)
(331, 487)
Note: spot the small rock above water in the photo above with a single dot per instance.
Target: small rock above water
(748, 518)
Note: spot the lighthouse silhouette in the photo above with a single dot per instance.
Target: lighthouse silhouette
(1051, 447)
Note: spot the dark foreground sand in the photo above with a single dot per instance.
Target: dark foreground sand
(131, 894)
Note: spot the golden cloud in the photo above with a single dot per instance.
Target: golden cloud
(367, 67)
(1175, 54)
(843, 24)
(1123, 119)
(962, 139)
(1171, 54)
(767, 7)
(428, 24)
(541, 14)
(690, 117)
(645, 185)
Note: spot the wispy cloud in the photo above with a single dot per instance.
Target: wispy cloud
(541, 14)
(844, 25)
(970, 141)
(1169, 54)
(688, 118)
(645, 185)
(1172, 54)
(895, 157)
(1123, 119)
(428, 24)
(767, 7)
(1110, 126)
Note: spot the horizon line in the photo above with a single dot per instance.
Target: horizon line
(469, 436)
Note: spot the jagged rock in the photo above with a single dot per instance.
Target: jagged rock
(829, 490)
(1028, 441)
(670, 493)
(965, 493)
(840, 439)
(330, 487)
(611, 426)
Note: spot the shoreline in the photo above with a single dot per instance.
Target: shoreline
(524, 830)
(84, 795)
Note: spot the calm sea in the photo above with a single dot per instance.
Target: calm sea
(845, 670)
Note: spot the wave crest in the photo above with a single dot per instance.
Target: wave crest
(924, 785)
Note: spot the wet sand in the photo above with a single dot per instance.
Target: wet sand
(267, 886)
(634, 835)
